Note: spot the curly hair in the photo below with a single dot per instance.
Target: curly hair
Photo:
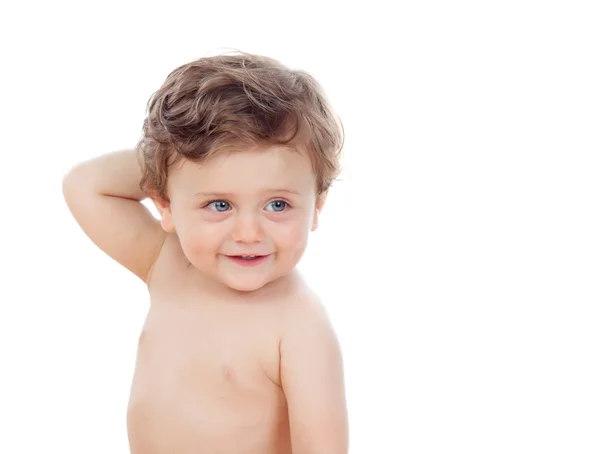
(229, 102)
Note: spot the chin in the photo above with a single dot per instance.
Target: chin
(248, 283)
(245, 286)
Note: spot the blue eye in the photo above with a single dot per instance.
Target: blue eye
(219, 205)
(278, 205)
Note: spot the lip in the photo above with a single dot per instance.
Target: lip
(248, 263)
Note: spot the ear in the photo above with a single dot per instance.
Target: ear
(321, 198)
(166, 216)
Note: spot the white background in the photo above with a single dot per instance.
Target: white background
(458, 257)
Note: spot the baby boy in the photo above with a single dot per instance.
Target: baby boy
(237, 354)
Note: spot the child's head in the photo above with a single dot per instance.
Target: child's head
(238, 153)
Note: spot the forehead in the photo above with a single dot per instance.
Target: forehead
(247, 170)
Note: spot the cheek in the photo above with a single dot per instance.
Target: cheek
(198, 238)
(292, 236)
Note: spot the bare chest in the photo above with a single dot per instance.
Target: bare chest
(204, 377)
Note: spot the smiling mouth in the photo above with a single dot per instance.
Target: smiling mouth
(248, 260)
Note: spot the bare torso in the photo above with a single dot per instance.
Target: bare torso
(207, 371)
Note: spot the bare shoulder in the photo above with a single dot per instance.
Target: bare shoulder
(303, 310)
(312, 377)
(170, 263)
(306, 323)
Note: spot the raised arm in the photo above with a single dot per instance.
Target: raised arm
(104, 197)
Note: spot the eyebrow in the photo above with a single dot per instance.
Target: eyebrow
(230, 194)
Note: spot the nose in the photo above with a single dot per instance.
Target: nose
(248, 229)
